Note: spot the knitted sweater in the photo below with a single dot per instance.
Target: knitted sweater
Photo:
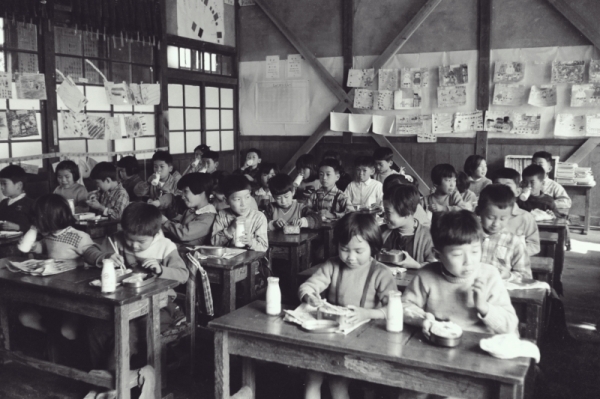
(469, 199)
(256, 226)
(296, 211)
(19, 212)
(478, 185)
(193, 227)
(523, 225)
(76, 192)
(422, 244)
(557, 192)
(69, 244)
(448, 202)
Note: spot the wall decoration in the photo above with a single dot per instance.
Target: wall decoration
(22, 124)
(568, 71)
(509, 72)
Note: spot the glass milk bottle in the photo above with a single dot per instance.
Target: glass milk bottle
(273, 296)
(28, 240)
(108, 279)
(395, 315)
(240, 230)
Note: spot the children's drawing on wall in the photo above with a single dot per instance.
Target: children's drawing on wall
(442, 123)
(71, 96)
(508, 72)
(526, 123)
(426, 134)
(452, 75)
(384, 100)
(570, 125)
(150, 93)
(542, 96)
(508, 94)
(592, 125)
(135, 125)
(117, 93)
(115, 128)
(452, 96)
(361, 77)
(468, 121)
(96, 126)
(3, 126)
(585, 95)
(568, 71)
(31, 86)
(498, 122)
(22, 124)
(74, 124)
(5, 85)
(595, 71)
(409, 124)
(363, 99)
(388, 79)
(414, 78)
(407, 98)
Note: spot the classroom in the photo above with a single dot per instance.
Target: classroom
(339, 199)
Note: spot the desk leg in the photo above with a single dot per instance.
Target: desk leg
(248, 376)
(221, 365)
(294, 266)
(251, 282)
(153, 350)
(122, 351)
(508, 391)
(533, 315)
(588, 205)
(228, 304)
(560, 259)
(4, 324)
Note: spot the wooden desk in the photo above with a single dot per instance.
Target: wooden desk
(8, 246)
(559, 226)
(70, 292)
(293, 247)
(98, 229)
(369, 353)
(586, 191)
(228, 272)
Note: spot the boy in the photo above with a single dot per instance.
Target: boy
(550, 187)
(193, 227)
(210, 160)
(262, 195)
(250, 167)
(402, 231)
(237, 194)
(167, 184)
(128, 170)
(16, 208)
(111, 198)
(364, 191)
(345, 178)
(384, 159)
(420, 214)
(521, 223)
(446, 197)
(197, 165)
(459, 287)
(329, 201)
(286, 210)
(143, 248)
(501, 248)
(533, 177)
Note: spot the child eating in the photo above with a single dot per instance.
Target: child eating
(533, 179)
(364, 192)
(550, 187)
(328, 201)
(166, 183)
(210, 160)
(196, 166)
(15, 208)
(250, 167)
(262, 195)
(286, 210)
(307, 181)
(446, 197)
(128, 171)
(67, 175)
(111, 198)
(476, 168)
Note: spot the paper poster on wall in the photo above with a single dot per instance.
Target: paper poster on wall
(442, 123)
(409, 124)
(28, 168)
(568, 71)
(96, 126)
(135, 94)
(363, 99)
(133, 126)
(150, 93)
(407, 98)
(244, 3)
(282, 101)
(388, 79)
(74, 124)
(31, 86)
(452, 75)
(338, 122)
(115, 128)
(71, 96)
(414, 78)
(28, 63)
(361, 77)
(201, 20)
(508, 94)
(383, 124)
(5, 85)
(272, 66)
(358, 123)
(426, 135)
(498, 122)
(542, 96)
(451, 96)
(22, 124)
(592, 125)
(384, 100)
(3, 126)
(526, 123)
(585, 95)
(509, 72)
(117, 93)
(595, 71)
(468, 121)
(294, 66)
(569, 125)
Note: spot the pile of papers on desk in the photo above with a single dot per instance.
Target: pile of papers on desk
(584, 177)
(565, 173)
(43, 267)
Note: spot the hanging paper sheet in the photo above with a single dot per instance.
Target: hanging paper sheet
(426, 135)
(413, 78)
(388, 79)
(74, 124)
(543, 96)
(117, 93)
(452, 96)
(595, 71)
(508, 94)
(452, 75)
(585, 95)
(526, 123)
(361, 78)
(3, 126)
(96, 126)
(442, 123)
(592, 125)
(498, 122)
(384, 100)
(383, 124)
(31, 86)
(407, 98)
(509, 72)
(133, 126)
(71, 96)
(294, 66)
(568, 71)
(22, 124)
(272, 66)
(282, 101)
(150, 93)
(5, 85)
(363, 99)
(409, 124)
(468, 121)
(338, 122)
(359, 123)
(115, 128)
(569, 125)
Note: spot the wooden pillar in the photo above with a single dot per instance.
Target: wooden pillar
(47, 62)
(483, 70)
(162, 134)
(347, 50)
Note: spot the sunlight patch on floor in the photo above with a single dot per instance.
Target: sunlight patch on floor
(582, 247)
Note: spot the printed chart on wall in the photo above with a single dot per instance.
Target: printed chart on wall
(201, 20)
(282, 101)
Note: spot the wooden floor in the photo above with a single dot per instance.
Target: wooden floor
(569, 369)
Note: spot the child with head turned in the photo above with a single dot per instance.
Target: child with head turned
(521, 223)
(533, 179)
(395, 180)
(446, 197)
(236, 191)
(67, 175)
(345, 178)
(476, 168)
(15, 208)
(162, 191)
(500, 247)
(197, 165)
(328, 201)
(262, 195)
(353, 279)
(194, 226)
(463, 183)
(210, 160)
(111, 198)
(250, 167)
(384, 160)
(285, 210)
(550, 187)
(307, 180)
(402, 231)
(128, 170)
(364, 191)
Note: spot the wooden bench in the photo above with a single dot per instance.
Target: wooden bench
(542, 268)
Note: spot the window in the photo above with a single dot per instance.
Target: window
(201, 61)
(219, 118)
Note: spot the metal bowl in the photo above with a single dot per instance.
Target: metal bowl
(448, 342)
(320, 326)
(391, 257)
(212, 251)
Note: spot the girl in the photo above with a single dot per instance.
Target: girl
(53, 219)
(353, 279)
(262, 195)
(463, 183)
(67, 175)
(476, 168)
(307, 168)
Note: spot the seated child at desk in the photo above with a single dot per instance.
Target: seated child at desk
(15, 208)
(328, 201)
(167, 181)
(364, 191)
(550, 187)
(286, 210)
(197, 165)
(67, 175)
(219, 200)
(476, 168)
(533, 178)
(446, 197)
(142, 247)
(384, 160)
(462, 185)
(307, 180)
(236, 190)
(353, 279)
(193, 227)
(250, 167)
(345, 178)
(262, 195)
(500, 247)
(210, 160)
(111, 198)
(421, 215)
(402, 230)
(128, 170)
(521, 223)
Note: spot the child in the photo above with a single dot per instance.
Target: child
(500, 247)
(286, 210)
(353, 279)
(328, 201)
(143, 248)
(210, 160)
(128, 170)
(111, 198)
(402, 230)
(345, 178)
(15, 209)
(422, 216)
(463, 182)
(521, 223)
(459, 287)
(67, 175)
(476, 168)
(237, 193)
(262, 195)
(552, 188)
(533, 177)
(364, 191)
(446, 197)
(305, 165)
(197, 165)
(167, 184)
(384, 159)
(193, 227)
(250, 167)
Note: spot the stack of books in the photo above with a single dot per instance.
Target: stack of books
(565, 173)
(584, 177)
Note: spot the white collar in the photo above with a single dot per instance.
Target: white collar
(210, 208)
(15, 199)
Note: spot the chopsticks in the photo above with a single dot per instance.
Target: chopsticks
(112, 243)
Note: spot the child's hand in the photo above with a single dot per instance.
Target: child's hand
(249, 177)
(153, 265)
(296, 222)
(9, 226)
(246, 239)
(409, 262)
(156, 203)
(94, 204)
(435, 208)
(358, 314)
(327, 214)
(428, 323)
(279, 223)
(117, 259)
(479, 299)
(313, 299)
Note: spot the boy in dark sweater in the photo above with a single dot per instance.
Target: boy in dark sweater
(15, 209)
(286, 210)
(533, 178)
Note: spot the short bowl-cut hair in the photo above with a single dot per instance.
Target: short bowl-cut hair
(498, 195)
(163, 156)
(472, 163)
(103, 171)
(51, 212)
(14, 173)
(202, 148)
(69, 166)
(442, 171)
(281, 184)
(141, 219)
(358, 224)
(254, 150)
(234, 183)
(396, 179)
(369, 162)
(544, 155)
(534, 170)
(462, 182)
(508, 174)
(383, 154)
(198, 183)
(404, 199)
(332, 163)
(130, 164)
(455, 228)
(214, 155)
